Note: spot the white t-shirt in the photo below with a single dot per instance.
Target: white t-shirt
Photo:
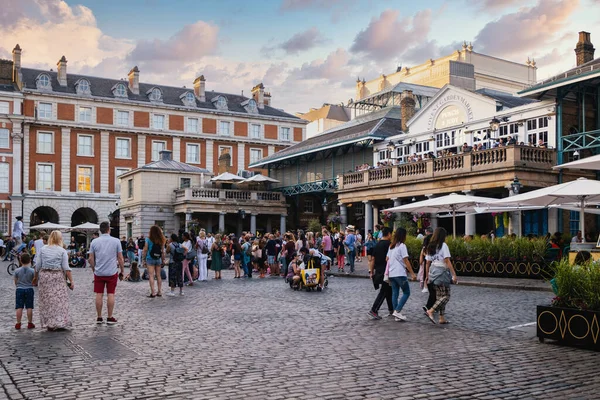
(441, 255)
(187, 245)
(38, 244)
(396, 258)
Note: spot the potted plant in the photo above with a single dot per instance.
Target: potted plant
(573, 318)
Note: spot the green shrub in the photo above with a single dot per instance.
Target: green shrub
(314, 225)
(577, 285)
(413, 245)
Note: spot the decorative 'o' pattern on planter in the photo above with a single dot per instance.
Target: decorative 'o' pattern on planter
(569, 326)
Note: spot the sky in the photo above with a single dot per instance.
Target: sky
(305, 52)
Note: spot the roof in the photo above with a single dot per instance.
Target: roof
(328, 111)
(377, 125)
(173, 166)
(508, 100)
(418, 90)
(102, 87)
(547, 87)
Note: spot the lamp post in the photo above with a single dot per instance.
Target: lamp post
(324, 204)
(515, 188)
(390, 148)
(494, 126)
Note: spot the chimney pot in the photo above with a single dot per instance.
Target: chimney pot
(134, 80)
(16, 73)
(61, 68)
(165, 155)
(258, 94)
(200, 88)
(584, 50)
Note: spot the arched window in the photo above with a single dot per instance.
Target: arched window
(43, 82)
(83, 86)
(120, 90)
(221, 103)
(155, 94)
(251, 107)
(189, 99)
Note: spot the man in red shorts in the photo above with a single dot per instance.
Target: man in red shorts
(105, 256)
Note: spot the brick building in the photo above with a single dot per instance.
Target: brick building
(65, 138)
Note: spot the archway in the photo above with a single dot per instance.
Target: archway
(42, 215)
(83, 215)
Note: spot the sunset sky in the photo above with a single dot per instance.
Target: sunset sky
(306, 52)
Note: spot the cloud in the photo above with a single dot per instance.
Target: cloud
(302, 41)
(387, 37)
(192, 42)
(426, 50)
(331, 68)
(516, 34)
(299, 5)
(492, 6)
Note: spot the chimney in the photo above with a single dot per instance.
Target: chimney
(134, 80)
(258, 94)
(267, 98)
(165, 155)
(224, 162)
(584, 50)
(200, 88)
(407, 108)
(61, 68)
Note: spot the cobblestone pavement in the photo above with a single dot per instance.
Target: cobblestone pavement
(257, 339)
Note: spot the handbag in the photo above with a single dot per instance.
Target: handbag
(439, 274)
(191, 254)
(386, 274)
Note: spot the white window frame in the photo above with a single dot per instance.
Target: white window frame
(38, 150)
(117, 155)
(79, 114)
(221, 147)
(117, 175)
(45, 116)
(309, 206)
(158, 151)
(155, 94)
(116, 92)
(252, 159)
(289, 134)
(540, 131)
(38, 180)
(6, 144)
(4, 177)
(84, 90)
(221, 125)
(155, 118)
(43, 86)
(4, 222)
(117, 119)
(188, 128)
(91, 167)
(251, 134)
(4, 107)
(187, 153)
(79, 153)
(130, 188)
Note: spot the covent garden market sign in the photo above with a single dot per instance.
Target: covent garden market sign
(451, 110)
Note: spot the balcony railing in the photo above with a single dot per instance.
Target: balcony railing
(491, 160)
(227, 196)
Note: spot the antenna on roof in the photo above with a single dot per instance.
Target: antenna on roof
(242, 92)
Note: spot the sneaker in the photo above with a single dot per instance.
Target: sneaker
(374, 315)
(181, 293)
(18, 325)
(396, 314)
(111, 321)
(398, 319)
(99, 320)
(399, 315)
(30, 325)
(171, 294)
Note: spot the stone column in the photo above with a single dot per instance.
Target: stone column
(368, 217)
(269, 226)
(104, 164)
(470, 228)
(16, 196)
(253, 223)
(177, 149)
(343, 216)
(553, 220)
(240, 226)
(241, 161)
(209, 223)
(514, 223)
(282, 227)
(26, 159)
(222, 221)
(188, 219)
(65, 164)
(210, 156)
(141, 150)
(432, 218)
(375, 214)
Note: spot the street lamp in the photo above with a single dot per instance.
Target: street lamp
(576, 154)
(390, 148)
(242, 213)
(516, 185)
(324, 204)
(494, 126)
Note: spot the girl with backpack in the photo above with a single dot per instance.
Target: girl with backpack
(153, 257)
(236, 252)
(176, 257)
(203, 250)
(216, 256)
(187, 245)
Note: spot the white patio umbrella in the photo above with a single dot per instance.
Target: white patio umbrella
(592, 162)
(581, 192)
(87, 227)
(226, 177)
(259, 178)
(49, 226)
(451, 203)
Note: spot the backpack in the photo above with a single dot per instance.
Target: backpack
(248, 250)
(204, 246)
(155, 251)
(178, 253)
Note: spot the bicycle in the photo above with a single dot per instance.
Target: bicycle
(11, 268)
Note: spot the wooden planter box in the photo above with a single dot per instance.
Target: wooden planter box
(531, 269)
(569, 326)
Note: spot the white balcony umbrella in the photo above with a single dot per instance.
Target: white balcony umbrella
(87, 227)
(451, 203)
(581, 191)
(49, 226)
(592, 162)
(259, 178)
(227, 177)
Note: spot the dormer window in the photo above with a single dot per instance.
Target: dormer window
(155, 94)
(82, 86)
(188, 99)
(119, 90)
(43, 82)
(250, 106)
(220, 102)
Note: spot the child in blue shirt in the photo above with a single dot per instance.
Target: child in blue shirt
(24, 281)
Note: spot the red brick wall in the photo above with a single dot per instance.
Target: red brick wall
(297, 134)
(66, 112)
(35, 158)
(271, 132)
(176, 122)
(141, 119)
(28, 108)
(85, 161)
(240, 129)
(119, 162)
(104, 115)
(209, 125)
